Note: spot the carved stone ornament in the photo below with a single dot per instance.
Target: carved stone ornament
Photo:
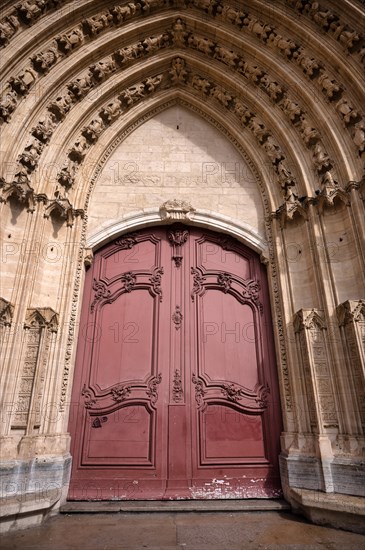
(199, 392)
(178, 72)
(19, 189)
(152, 391)
(177, 390)
(62, 208)
(6, 313)
(287, 211)
(177, 317)
(88, 257)
(309, 319)
(176, 209)
(351, 311)
(42, 317)
(8, 27)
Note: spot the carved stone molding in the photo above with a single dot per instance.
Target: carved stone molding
(42, 317)
(351, 311)
(351, 319)
(90, 134)
(6, 313)
(19, 189)
(40, 326)
(329, 22)
(309, 325)
(308, 319)
(288, 210)
(62, 208)
(91, 28)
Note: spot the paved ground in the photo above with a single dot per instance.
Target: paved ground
(181, 531)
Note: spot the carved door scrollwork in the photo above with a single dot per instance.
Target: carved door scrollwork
(198, 280)
(177, 237)
(156, 282)
(199, 392)
(152, 391)
(177, 317)
(177, 389)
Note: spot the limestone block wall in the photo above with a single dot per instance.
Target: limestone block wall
(245, 120)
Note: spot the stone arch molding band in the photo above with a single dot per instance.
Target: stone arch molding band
(108, 114)
(179, 35)
(179, 72)
(27, 13)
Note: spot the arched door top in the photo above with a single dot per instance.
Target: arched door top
(135, 221)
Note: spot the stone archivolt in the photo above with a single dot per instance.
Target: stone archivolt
(138, 92)
(43, 61)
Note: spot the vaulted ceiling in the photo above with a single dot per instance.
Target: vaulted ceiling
(283, 79)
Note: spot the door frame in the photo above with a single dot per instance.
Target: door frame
(204, 219)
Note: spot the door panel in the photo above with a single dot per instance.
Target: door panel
(226, 341)
(230, 436)
(175, 390)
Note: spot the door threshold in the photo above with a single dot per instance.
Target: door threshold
(126, 506)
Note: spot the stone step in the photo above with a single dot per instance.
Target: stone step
(101, 507)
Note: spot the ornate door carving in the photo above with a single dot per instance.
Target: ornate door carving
(175, 391)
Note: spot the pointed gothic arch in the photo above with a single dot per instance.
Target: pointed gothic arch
(283, 83)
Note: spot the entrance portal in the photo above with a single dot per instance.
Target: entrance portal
(175, 392)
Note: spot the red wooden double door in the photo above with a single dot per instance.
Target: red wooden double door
(175, 392)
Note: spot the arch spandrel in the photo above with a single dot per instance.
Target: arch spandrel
(176, 152)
